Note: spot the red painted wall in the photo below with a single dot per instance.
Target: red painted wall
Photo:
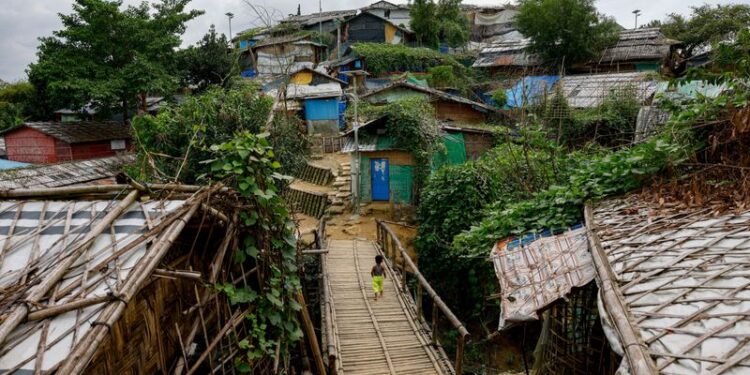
(30, 146)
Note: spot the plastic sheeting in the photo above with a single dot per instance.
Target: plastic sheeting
(529, 90)
(536, 271)
(455, 151)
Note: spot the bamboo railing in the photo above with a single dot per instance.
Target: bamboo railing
(327, 302)
(391, 247)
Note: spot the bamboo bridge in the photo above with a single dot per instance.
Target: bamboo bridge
(390, 335)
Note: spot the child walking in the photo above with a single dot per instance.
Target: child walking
(378, 274)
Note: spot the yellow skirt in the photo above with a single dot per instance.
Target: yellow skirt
(377, 284)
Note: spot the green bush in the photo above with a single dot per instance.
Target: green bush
(442, 76)
(382, 58)
(500, 97)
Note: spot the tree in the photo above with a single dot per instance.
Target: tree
(111, 56)
(211, 62)
(566, 31)
(423, 23)
(453, 25)
(17, 103)
(707, 24)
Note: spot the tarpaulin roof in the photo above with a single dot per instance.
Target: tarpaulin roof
(675, 292)
(536, 270)
(95, 245)
(688, 90)
(325, 90)
(529, 89)
(507, 53)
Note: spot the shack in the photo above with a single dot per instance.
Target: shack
(319, 105)
(491, 23)
(281, 55)
(673, 283)
(368, 27)
(114, 280)
(326, 21)
(509, 58)
(387, 172)
(641, 50)
(52, 142)
(398, 14)
(448, 107)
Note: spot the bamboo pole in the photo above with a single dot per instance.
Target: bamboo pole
(312, 338)
(63, 308)
(636, 351)
(38, 292)
(94, 189)
(79, 357)
(178, 274)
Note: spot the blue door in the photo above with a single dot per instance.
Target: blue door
(380, 180)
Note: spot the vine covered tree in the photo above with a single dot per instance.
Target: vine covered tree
(565, 31)
(441, 22)
(210, 62)
(110, 55)
(707, 24)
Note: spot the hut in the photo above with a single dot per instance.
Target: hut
(386, 172)
(398, 14)
(507, 57)
(673, 283)
(369, 27)
(491, 24)
(640, 50)
(325, 21)
(316, 97)
(448, 107)
(51, 142)
(116, 280)
(281, 55)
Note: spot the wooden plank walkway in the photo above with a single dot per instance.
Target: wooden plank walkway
(375, 337)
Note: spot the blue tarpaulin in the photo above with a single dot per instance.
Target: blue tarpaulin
(9, 164)
(529, 89)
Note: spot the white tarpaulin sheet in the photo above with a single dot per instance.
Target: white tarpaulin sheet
(533, 274)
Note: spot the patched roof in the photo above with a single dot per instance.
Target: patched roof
(78, 132)
(63, 174)
(385, 5)
(507, 53)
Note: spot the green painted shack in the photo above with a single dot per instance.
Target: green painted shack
(386, 172)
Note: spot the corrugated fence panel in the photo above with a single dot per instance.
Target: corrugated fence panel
(402, 180)
(365, 188)
(322, 109)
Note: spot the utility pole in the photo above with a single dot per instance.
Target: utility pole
(355, 165)
(230, 15)
(320, 22)
(637, 13)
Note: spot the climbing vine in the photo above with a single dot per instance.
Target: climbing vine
(412, 124)
(382, 58)
(267, 237)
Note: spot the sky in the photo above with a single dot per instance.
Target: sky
(22, 22)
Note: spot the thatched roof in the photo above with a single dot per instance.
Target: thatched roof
(590, 90)
(638, 45)
(78, 132)
(674, 282)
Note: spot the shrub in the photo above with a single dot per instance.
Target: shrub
(500, 97)
(382, 58)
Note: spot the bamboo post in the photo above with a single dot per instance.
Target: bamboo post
(19, 313)
(419, 301)
(312, 338)
(434, 323)
(636, 351)
(403, 274)
(460, 355)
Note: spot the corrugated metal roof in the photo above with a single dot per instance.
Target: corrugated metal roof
(295, 91)
(590, 90)
(311, 19)
(369, 144)
(63, 174)
(682, 276)
(78, 132)
(430, 91)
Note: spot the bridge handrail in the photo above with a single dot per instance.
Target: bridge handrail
(384, 233)
(320, 240)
